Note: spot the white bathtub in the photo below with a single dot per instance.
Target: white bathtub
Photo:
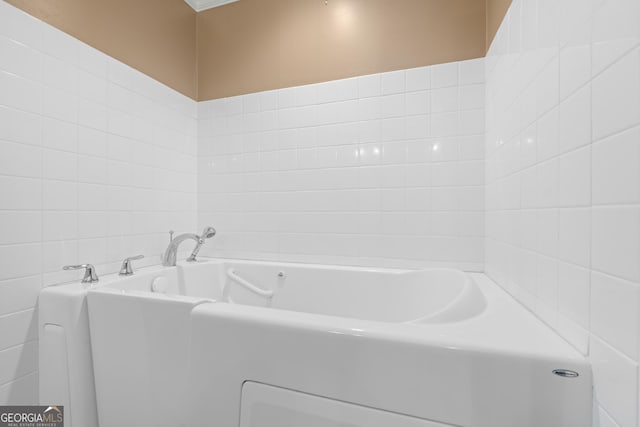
(333, 346)
(431, 345)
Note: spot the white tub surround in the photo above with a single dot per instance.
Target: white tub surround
(382, 170)
(563, 181)
(97, 162)
(425, 348)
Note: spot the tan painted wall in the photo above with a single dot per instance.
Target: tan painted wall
(496, 10)
(157, 37)
(255, 45)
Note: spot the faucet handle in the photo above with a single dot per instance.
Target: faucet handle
(126, 269)
(171, 235)
(90, 275)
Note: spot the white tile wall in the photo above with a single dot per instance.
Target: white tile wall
(563, 181)
(97, 162)
(383, 170)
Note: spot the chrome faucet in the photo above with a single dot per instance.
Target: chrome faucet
(207, 233)
(90, 275)
(126, 269)
(170, 255)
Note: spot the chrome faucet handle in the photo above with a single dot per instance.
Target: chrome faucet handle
(126, 269)
(90, 275)
(171, 235)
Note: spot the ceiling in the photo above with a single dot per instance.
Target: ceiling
(200, 5)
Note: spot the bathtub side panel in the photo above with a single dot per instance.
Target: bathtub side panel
(140, 347)
(447, 385)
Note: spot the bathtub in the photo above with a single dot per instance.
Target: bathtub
(262, 344)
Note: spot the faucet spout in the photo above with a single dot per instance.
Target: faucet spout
(170, 255)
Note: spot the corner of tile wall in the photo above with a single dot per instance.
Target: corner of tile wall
(563, 181)
(97, 162)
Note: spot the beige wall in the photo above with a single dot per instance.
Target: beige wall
(496, 10)
(255, 45)
(157, 37)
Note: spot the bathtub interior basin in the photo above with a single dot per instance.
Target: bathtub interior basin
(385, 295)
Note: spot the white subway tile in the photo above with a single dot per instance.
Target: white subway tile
(89, 141)
(20, 260)
(20, 93)
(616, 97)
(444, 75)
(392, 82)
(20, 26)
(95, 250)
(444, 124)
(444, 99)
(616, 247)
(574, 293)
(547, 223)
(18, 328)
(547, 183)
(392, 105)
(575, 67)
(574, 236)
(615, 312)
(393, 129)
(575, 121)
(616, 169)
(418, 102)
(93, 115)
(395, 153)
(59, 105)
(417, 127)
(20, 227)
(59, 225)
(59, 195)
(268, 101)
(471, 97)
(20, 126)
(548, 23)
(548, 134)
(19, 294)
(547, 87)
(18, 361)
(471, 122)
(20, 60)
(615, 31)
(471, 71)
(418, 79)
(59, 74)
(57, 254)
(20, 193)
(59, 135)
(369, 85)
(574, 178)
(60, 165)
(337, 90)
(471, 147)
(615, 379)
(20, 160)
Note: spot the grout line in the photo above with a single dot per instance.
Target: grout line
(18, 378)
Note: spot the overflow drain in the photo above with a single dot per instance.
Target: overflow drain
(566, 373)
